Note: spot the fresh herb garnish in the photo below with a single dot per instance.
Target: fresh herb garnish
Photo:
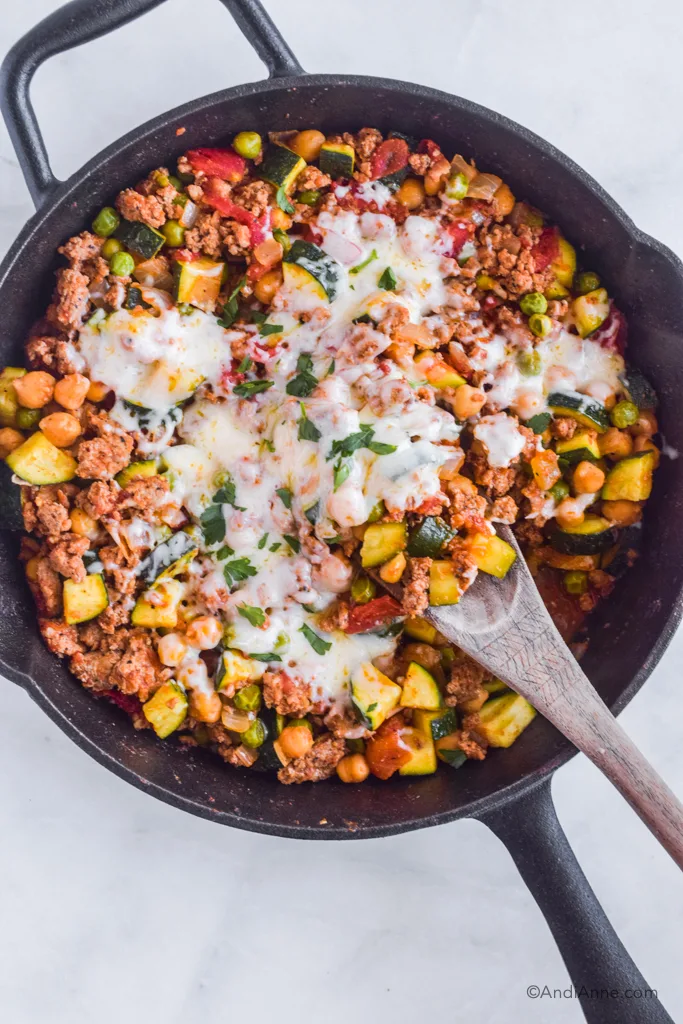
(361, 266)
(293, 542)
(265, 657)
(267, 329)
(364, 319)
(319, 645)
(304, 382)
(231, 307)
(251, 387)
(225, 495)
(238, 570)
(275, 546)
(341, 473)
(254, 615)
(331, 368)
(379, 448)
(372, 707)
(257, 317)
(245, 365)
(282, 200)
(312, 513)
(388, 281)
(224, 552)
(262, 543)
(213, 524)
(363, 438)
(307, 430)
(285, 496)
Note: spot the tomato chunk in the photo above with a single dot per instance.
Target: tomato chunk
(387, 751)
(389, 157)
(547, 248)
(460, 231)
(612, 334)
(223, 163)
(214, 195)
(379, 612)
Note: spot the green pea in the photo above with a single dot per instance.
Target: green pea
(377, 512)
(111, 246)
(174, 233)
(283, 238)
(176, 182)
(586, 282)
(248, 698)
(575, 582)
(457, 186)
(247, 144)
(294, 722)
(624, 414)
(533, 302)
(255, 734)
(529, 363)
(309, 197)
(363, 589)
(162, 180)
(28, 418)
(560, 490)
(122, 264)
(540, 325)
(106, 222)
(355, 746)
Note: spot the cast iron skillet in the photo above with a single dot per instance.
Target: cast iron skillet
(510, 792)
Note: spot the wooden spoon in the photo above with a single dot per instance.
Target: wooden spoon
(504, 625)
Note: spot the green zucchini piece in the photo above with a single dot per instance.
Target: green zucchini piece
(140, 238)
(281, 167)
(444, 586)
(84, 601)
(427, 540)
(420, 629)
(493, 555)
(381, 542)
(164, 559)
(420, 689)
(442, 723)
(503, 719)
(134, 299)
(589, 537)
(630, 479)
(337, 159)
(373, 694)
(454, 757)
(590, 311)
(234, 668)
(423, 752)
(579, 448)
(268, 760)
(619, 558)
(166, 710)
(11, 517)
(38, 461)
(496, 686)
(638, 388)
(158, 608)
(9, 403)
(137, 471)
(198, 282)
(585, 410)
(313, 267)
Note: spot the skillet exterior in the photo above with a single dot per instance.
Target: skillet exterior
(630, 633)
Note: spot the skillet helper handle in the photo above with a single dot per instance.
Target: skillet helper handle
(79, 22)
(595, 957)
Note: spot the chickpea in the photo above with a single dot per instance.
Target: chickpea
(307, 144)
(569, 513)
(411, 194)
(9, 440)
(83, 525)
(528, 404)
(267, 286)
(646, 424)
(204, 632)
(622, 513)
(71, 390)
(588, 478)
(205, 707)
(503, 201)
(644, 444)
(280, 219)
(392, 570)
(97, 391)
(34, 389)
(32, 568)
(296, 740)
(353, 768)
(435, 176)
(467, 401)
(61, 428)
(268, 253)
(171, 649)
(464, 484)
(615, 444)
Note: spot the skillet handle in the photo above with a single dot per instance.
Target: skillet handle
(79, 22)
(593, 953)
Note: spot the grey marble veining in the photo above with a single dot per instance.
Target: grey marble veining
(116, 907)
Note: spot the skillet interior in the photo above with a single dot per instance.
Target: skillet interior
(631, 631)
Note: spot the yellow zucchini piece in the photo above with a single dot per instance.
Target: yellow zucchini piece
(423, 752)
(157, 608)
(298, 278)
(166, 710)
(337, 159)
(420, 689)
(420, 629)
(39, 461)
(381, 542)
(84, 601)
(374, 694)
(590, 311)
(564, 266)
(444, 586)
(503, 719)
(630, 479)
(437, 371)
(583, 445)
(137, 471)
(199, 282)
(493, 555)
(235, 668)
(9, 403)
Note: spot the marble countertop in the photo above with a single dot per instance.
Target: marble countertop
(116, 907)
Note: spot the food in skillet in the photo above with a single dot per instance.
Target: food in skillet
(285, 365)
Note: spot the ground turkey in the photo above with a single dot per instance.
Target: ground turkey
(318, 764)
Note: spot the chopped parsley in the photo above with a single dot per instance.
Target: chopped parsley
(319, 645)
(251, 387)
(363, 438)
(257, 317)
(254, 615)
(285, 496)
(331, 368)
(341, 473)
(361, 266)
(293, 542)
(265, 657)
(275, 546)
(225, 495)
(225, 552)
(372, 707)
(238, 570)
(262, 543)
(213, 525)
(282, 200)
(231, 307)
(245, 365)
(388, 281)
(266, 329)
(307, 430)
(304, 382)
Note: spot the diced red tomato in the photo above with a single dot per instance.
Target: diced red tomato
(460, 231)
(564, 608)
(378, 612)
(223, 163)
(389, 157)
(429, 147)
(547, 248)
(256, 270)
(215, 195)
(186, 256)
(128, 702)
(613, 334)
(387, 751)
(309, 234)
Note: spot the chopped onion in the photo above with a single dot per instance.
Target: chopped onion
(484, 186)
(189, 214)
(236, 720)
(341, 249)
(154, 273)
(247, 755)
(460, 166)
(158, 300)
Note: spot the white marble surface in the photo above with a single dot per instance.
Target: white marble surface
(116, 907)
